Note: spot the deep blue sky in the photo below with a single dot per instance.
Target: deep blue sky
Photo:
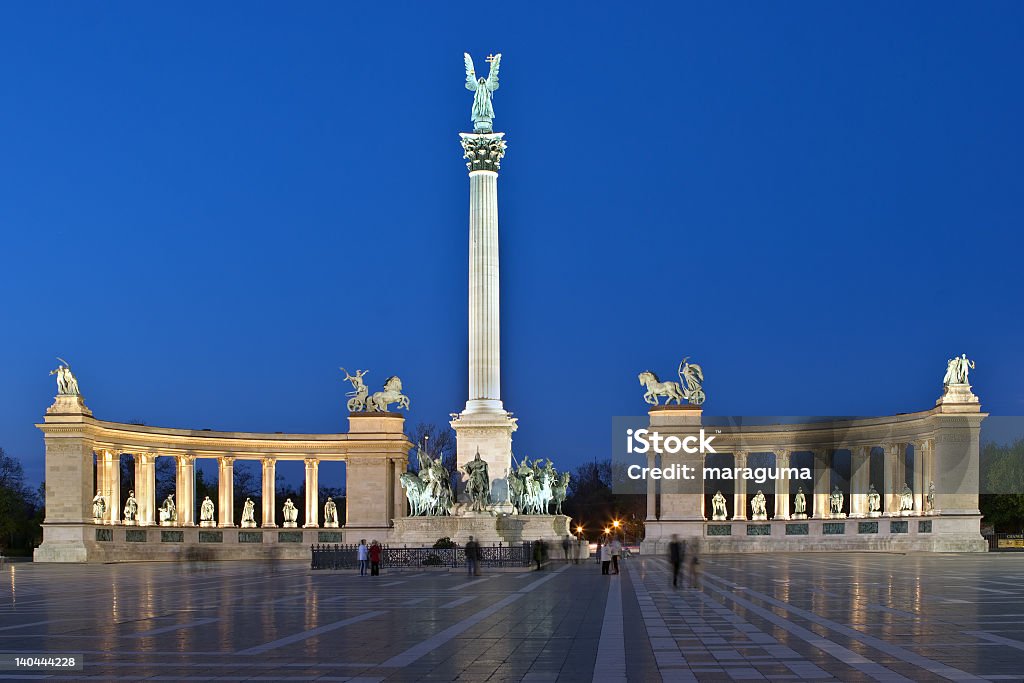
(207, 210)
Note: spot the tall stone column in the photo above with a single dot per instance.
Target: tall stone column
(484, 426)
(894, 479)
(112, 485)
(99, 469)
(269, 492)
(226, 490)
(740, 495)
(782, 486)
(822, 481)
(147, 499)
(68, 534)
(312, 493)
(860, 480)
(185, 486)
(920, 486)
(139, 486)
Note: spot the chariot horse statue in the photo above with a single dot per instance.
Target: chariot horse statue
(691, 377)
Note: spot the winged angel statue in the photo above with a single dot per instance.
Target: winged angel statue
(483, 110)
(691, 377)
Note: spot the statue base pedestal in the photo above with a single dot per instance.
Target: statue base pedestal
(837, 515)
(330, 525)
(719, 518)
(759, 518)
(800, 515)
(874, 514)
(168, 523)
(906, 513)
(207, 523)
(290, 525)
(482, 526)
(248, 525)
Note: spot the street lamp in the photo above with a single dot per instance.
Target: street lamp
(579, 531)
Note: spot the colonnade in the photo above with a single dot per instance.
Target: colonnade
(855, 493)
(108, 484)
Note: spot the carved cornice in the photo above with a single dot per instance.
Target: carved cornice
(483, 152)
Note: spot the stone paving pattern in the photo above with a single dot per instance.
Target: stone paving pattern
(841, 616)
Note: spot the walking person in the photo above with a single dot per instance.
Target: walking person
(605, 554)
(362, 554)
(694, 566)
(616, 554)
(538, 553)
(472, 551)
(375, 552)
(565, 548)
(676, 555)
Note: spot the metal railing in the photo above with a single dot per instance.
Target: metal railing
(345, 556)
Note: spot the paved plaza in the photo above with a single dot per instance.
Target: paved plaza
(847, 617)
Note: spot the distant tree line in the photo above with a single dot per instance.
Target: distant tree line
(1002, 469)
(21, 509)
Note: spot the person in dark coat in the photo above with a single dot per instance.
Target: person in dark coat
(375, 554)
(676, 555)
(472, 557)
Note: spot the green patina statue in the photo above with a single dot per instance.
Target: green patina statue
(483, 110)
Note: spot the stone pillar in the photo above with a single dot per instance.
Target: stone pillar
(376, 441)
(920, 485)
(312, 493)
(112, 485)
(226, 490)
(652, 489)
(894, 479)
(269, 492)
(781, 486)
(739, 499)
(147, 499)
(484, 426)
(139, 486)
(929, 472)
(68, 534)
(398, 495)
(822, 481)
(185, 486)
(100, 474)
(860, 480)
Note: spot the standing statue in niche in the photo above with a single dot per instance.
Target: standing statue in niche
(482, 89)
(718, 511)
(168, 513)
(67, 385)
(478, 484)
(759, 506)
(836, 502)
(131, 508)
(206, 512)
(906, 499)
(930, 498)
(800, 504)
(330, 513)
(874, 501)
(99, 506)
(290, 512)
(248, 514)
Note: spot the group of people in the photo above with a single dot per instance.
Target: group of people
(684, 557)
(610, 553)
(369, 557)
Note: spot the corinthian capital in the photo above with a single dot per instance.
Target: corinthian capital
(483, 152)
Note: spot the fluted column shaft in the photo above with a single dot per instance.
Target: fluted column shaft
(822, 481)
(484, 327)
(226, 490)
(312, 492)
(184, 485)
(781, 486)
(147, 499)
(920, 486)
(894, 478)
(112, 481)
(269, 491)
(860, 480)
(739, 502)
